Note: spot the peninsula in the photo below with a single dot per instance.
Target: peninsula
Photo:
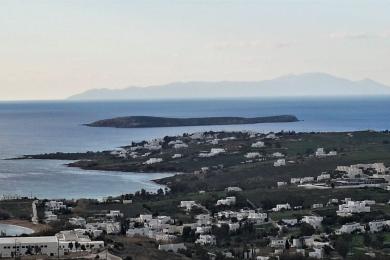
(150, 121)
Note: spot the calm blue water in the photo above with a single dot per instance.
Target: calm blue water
(37, 127)
(13, 230)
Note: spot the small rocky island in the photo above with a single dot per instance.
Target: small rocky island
(150, 121)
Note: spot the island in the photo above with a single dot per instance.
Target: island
(151, 121)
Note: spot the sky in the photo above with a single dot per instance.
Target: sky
(54, 49)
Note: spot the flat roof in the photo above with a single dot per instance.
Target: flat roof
(29, 240)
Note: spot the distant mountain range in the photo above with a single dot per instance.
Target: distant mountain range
(308, 84)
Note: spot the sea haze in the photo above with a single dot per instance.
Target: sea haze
(38, 127)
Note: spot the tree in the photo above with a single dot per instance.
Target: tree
(342, 246)
(188, 234)
(287, 245)
(306, 229)
(70, 246)
(77, 245)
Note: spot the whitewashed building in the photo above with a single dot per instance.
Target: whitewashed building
(206, 240)
(314, 221)
(280, 207)
(280, 162)
(12, 247)
(349, 228)
(228, 201)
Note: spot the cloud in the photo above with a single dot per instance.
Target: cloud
(235, 44)
(224, 45)
(280, 45)
(359, 35)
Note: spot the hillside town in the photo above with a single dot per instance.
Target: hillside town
(335, 210)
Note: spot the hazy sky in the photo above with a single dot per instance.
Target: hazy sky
(52, 49)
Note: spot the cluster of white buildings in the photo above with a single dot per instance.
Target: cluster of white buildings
(160, 228)
(94, 227)
(311, 246)
(52, 209)
(355, 170)
(351, 207)
(213, 152)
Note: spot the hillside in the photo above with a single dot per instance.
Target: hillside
(309, 84)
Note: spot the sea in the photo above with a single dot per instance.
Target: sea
(14, 230)
(57, 126)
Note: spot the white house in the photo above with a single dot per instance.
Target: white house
(153, 161)
(257, 217)
(252, 155)
(318, 253)
(228, 201)
(314, 221)
(145, 217)
(78, 221)
(280, 162)
(377, 226)
(349, 228)
(320, 152)
(323, 176)
(50, 217)
(172, 247)
(143, 232)
(187, 204)
(280, 207)
(234, 189)
(317, 206)
(281, 183)
(114, 214)
(258, 144)
(278, 155)
(271, 136)
(12, 247)
(213, 152)
(65, 238)
(206, 240)
(203, 219)
(278, 242)
(177, 155)
(55, 205)
(290, 221)
(306, 179)
(351, 207)
(203, 230)
(295, 180)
